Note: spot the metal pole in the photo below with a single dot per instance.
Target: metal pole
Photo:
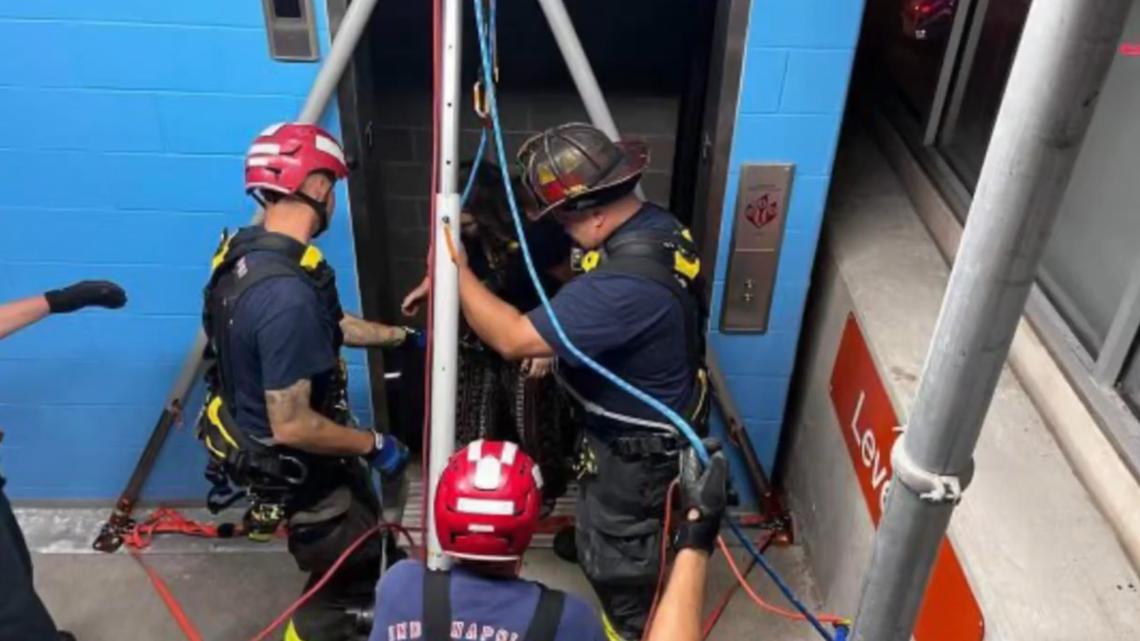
(344, 43)
(445, 276)
(1065, 52)
(340, 54)
(580, 70)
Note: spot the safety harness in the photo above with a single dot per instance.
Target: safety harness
(668, 258)
(437, 610)
(241, 464)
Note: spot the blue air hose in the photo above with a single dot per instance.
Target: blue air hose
(474, 169)
(488, 80)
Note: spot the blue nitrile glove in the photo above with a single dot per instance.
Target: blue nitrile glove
(389, 456)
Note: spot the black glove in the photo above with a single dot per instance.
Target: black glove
(704, 493)
(86, 293)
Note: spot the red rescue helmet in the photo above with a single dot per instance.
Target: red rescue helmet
(487, 502)
(284, 155)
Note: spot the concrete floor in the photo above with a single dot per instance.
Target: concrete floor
(230, 590)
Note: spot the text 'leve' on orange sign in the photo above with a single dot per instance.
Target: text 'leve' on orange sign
(870, 428)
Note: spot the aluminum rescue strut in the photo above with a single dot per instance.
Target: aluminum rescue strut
(1061, 63)
(110, 536)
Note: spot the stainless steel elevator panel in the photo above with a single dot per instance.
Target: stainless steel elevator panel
(757, 234)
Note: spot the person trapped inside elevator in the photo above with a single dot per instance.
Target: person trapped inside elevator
(276, 420)
(22, 613)
(489, 238)
(635, 312)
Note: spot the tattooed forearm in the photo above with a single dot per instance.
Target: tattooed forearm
(295, 424)
(361, 333)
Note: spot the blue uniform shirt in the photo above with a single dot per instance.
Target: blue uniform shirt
(482, 608)
(633, 326)
(281, 333)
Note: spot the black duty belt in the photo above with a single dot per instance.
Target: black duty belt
(642, 446)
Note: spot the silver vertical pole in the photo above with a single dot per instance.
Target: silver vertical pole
(580, 70)
(1065, 52)
(445, 285)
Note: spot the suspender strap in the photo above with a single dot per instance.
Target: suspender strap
(437, 605)
(547, 616)
(645, 267)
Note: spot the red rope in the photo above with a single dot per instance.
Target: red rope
(165, 520)
(666, 527)
(304, 598)
(168, 521)
(425, 455)
(176, 611)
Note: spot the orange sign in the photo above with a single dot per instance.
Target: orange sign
(870, 428)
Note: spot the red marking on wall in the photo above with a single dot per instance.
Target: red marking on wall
(869, 425)
(1130, 49)
(763, 210)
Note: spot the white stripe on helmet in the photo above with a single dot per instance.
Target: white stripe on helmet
(330, 147)
(509, 451)
(485, 506)
(269, 148)
(475, 451)
(488, 474)
(271, 129)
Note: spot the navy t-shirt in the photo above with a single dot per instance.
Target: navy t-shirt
(482, 608)
(633, 326)
(281, 334)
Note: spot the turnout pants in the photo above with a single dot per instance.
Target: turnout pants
(319, 531)
(621, 506)
(22, 614)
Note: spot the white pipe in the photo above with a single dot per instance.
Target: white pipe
(445, 286)
(580, 70)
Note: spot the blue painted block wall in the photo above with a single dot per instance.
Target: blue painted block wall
(793, 88)
(120, 157)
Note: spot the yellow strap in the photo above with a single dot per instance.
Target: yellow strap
(590, 260)
(291, 632)
(608, 626)
(686, 266)
(220, 255)
(213, 450)
(311, 258)
(213, 413)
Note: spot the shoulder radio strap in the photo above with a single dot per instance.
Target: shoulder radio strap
(437, 605)
(437, 610)
(547, 615)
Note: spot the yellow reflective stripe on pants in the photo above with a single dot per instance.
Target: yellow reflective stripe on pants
(291, 632)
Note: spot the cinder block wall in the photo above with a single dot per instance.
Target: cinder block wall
(120, 150)
(403, 143)
(793, 89)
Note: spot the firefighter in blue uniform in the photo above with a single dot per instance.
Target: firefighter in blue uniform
(486, 510)
(633, 311)
(276, 420)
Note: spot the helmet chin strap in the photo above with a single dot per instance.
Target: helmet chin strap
(319, 207)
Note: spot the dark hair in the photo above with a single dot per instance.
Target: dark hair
(488, 202)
